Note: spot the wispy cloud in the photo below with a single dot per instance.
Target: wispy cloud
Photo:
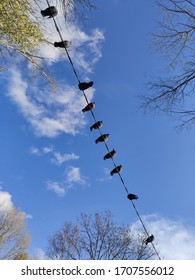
(173, 238)
(35, 151)
(73, 175)
(61, 158)
(73, 178)
(47, 150)
(106, 177)
(56, 187)
(57, 157)
(92, 46)
(18, 94)
(51, 116)
(28, 216)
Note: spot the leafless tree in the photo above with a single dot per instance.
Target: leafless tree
(97, 238)
(14, 239)
(176, 37)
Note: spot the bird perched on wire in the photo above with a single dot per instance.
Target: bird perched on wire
(110, 154)
(63, 44)
(96, 125)
(102, 138)
(50, 12)
(149, 239)
(85, 85)
(89, 107)
(132, 196)
(116, 170)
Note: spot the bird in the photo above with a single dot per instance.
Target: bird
(110, 154)
(149, 239)
(90, 106)
(85, 85)
(132, 196)
(50, 12)
(63, 44)
(116, 170)
(102, 138)
(96, 125)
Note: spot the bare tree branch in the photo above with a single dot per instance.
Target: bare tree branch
(177, 38)
(97, 238)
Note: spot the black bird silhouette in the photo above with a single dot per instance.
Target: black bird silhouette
(116, 170)
(102, 138)
(132, 196)
(110, 154)
(85, 85)
(63, 44)
(96, 125)
(149, 239)
(89, 107)
(50, 12)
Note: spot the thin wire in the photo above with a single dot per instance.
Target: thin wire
(106, 146)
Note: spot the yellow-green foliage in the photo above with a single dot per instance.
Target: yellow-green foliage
(17, 26)
(22, 257)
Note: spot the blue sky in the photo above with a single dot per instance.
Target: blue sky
(51, 167)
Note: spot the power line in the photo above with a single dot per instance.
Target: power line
(101, 134)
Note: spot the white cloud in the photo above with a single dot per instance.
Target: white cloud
(58, 158)
(48, 114)
(73, 175)
(28, 216)
(173, 238)
(106, 177)
(18, 93)
(61, 158)
(56, 187)
(5, 200)
(35, 151)
(47, 150)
